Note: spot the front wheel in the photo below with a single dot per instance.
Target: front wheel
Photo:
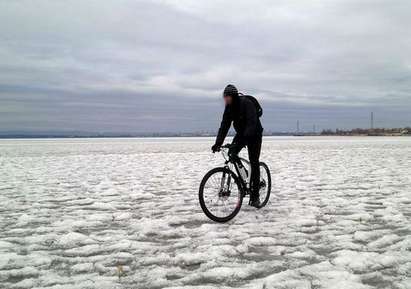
(265, 184)
(220, 195)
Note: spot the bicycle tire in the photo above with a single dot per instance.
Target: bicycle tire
(203, 205)
(267, 197)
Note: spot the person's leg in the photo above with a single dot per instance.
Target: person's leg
(237, 146)
(254, 150)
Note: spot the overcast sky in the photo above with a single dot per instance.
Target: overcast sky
(156, 66)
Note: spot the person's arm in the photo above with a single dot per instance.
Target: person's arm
(251, 120)
(224, 127)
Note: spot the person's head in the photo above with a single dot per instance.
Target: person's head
(230, 94)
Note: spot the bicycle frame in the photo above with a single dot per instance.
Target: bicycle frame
(248, 165)
(229, 161)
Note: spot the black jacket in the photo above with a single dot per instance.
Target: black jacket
(243, 114)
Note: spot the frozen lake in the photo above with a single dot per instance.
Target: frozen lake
(124, 213)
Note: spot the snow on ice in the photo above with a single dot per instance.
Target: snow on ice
(124, 213)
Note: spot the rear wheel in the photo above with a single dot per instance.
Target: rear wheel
(265, 184)
(220, 195)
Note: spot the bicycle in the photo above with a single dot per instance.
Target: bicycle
(224, 188)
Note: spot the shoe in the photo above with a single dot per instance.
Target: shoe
(255, 203)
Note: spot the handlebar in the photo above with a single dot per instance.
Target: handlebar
(226, 146)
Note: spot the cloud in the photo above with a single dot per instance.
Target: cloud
(161, 65)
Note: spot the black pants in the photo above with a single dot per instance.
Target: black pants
(254, 150)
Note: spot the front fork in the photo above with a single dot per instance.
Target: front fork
(223, 181)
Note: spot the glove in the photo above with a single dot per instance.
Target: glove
(215, 148)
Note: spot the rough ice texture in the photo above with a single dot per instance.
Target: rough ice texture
(124, 213)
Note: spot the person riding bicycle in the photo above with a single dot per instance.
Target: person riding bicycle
(244, 112)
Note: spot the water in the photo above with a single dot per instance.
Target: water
(124, 213)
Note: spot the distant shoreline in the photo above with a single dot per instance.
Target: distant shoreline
(183, 136)
(360, 132)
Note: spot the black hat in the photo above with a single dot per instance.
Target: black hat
(230, 90)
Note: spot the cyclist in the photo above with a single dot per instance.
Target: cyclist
(244, 112)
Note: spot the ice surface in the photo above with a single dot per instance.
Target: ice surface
(124, 213)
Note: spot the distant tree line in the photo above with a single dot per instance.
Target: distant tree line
(374, 131)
